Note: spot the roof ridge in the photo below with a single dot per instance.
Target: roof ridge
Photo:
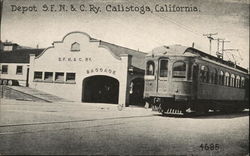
(123, 47)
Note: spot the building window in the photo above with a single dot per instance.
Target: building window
(232, 82)
(179, 69)
(48, 76)
(204, 74)
(4, 69)
(75, 47)
(59, 77)
(38, 75)
(19, 70)
(163, 68)
(70, 77)
(150, 68)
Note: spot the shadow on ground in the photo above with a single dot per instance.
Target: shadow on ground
(210, 115)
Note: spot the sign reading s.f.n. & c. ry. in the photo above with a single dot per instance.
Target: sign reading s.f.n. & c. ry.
(74, 59)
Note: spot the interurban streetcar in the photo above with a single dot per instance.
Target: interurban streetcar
(181, 79)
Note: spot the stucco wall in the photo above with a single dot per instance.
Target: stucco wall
(90, 60)
(12, 75)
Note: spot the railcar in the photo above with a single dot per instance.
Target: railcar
(180, 79)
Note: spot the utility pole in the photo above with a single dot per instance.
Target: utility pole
(210, 38)
(1, 12)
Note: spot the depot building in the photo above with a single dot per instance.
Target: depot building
(83, 69)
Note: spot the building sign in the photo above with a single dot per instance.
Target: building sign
(101, 70)
(74, 59)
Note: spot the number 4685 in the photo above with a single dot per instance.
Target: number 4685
(210, 147)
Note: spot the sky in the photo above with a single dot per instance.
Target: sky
(132, 29)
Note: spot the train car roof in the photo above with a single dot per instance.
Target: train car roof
(176, 50)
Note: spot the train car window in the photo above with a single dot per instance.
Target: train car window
(163, 68)
(179, 69)
(232, 81)
(48, 76)
(226, 81)
(150, 68)
(242, 84)
(4, 69)
(221, 78)
(212, 76)
(38, 75)
(189, 71)
(204, 74)
(215, 76)
(237, 82)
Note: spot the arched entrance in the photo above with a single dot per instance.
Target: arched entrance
(100, 89)
(136, 92)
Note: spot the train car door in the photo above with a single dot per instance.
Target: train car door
(151, 77)
(195, 80)
(162, 75)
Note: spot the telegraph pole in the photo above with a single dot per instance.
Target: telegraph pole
(210, 38)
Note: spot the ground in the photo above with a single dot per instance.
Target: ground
(101, 129)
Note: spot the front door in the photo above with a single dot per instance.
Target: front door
(162, 75)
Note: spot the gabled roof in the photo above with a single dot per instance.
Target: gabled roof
(18, 55)
(138, 57)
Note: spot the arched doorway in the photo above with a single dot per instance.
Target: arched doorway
(136, 92)
(100, 89)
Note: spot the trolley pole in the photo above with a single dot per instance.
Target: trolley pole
(219, 55)
(210, 38)
(232, 54)
(222, 48)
